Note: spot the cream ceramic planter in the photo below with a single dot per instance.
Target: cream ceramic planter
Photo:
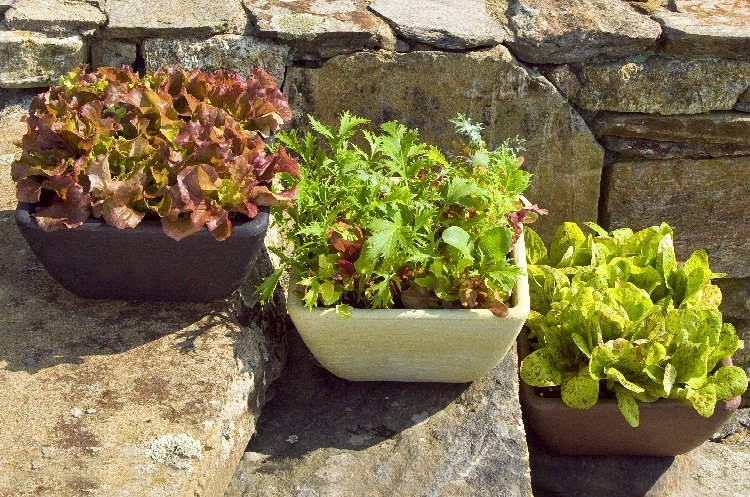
(452, 346)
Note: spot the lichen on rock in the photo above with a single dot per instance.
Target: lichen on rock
(175, 450)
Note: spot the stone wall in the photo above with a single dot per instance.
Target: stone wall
(633, 112)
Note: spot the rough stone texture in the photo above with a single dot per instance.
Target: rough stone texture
(442, 23)
(321, 28)
(630, 148)
(719, 27)
(32, 59)
(88, 385)
(743, 102)
(705, 201)
(654, 84)
(135, 18)
(237, 52)
(713, 127)
(544, 32)
(14, 103)
(697, 136)
(5, 5)
(713, 469)
(113, 53)
(425, 89)
(322, 435)
(735, 307)
(54, 16)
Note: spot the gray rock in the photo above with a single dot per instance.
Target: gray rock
(113, 53)
(442, 23)
(237, 52)
(544, 32)
(31, 59)
(115, 381)
(713, 127)
(54, 16)
(654, 84)
(635, 148)
(5, 5)
(715, 469)
(743, 102)
(321, 435)
(718, 28)
(706, 201)
(426, 89)
(321, 28)
(135, 18)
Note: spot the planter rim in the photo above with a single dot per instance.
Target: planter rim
(249, 227)
(519, 298)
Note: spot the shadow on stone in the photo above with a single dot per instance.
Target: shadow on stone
(312, 408)
(44, 325)
(558, 475)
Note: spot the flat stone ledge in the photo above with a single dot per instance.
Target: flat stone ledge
(564, 31)
(654, 84)
(321, 28)
(321, 435)
(719, 28)
(32, 59)
(179, 18)
(240, 53)
(55, 16)
(442, 23)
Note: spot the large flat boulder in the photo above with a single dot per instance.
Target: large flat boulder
(655, 84)
(706, 201)
(320, 28)
(136, 19)
(55, 16)
(33, 59)
(544, 32)
(321, 435)
(121, 398)
(426, 89)
(719, 28)
(442, 23)
(237, 52)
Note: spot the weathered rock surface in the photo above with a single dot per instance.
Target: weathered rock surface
(425, 89)
(95, 394)
(237, 52)
(720, 28)
(54, 16)
(743, 102)
(113, 53)
(544, 32)
(629, 148)
(14, 103)
(321, 435)
(32, 59)
(320, 28)
(654, 84)
(715, 469)
(442, 23)
(735, 307)
(5, 5)
(706, 201)
(713, 127)
(135, 18)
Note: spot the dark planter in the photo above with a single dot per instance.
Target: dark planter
(99, 261)
(667, 427)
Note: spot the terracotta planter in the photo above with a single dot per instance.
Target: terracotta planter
(667, 427)
(99, 261)
(453, 346)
